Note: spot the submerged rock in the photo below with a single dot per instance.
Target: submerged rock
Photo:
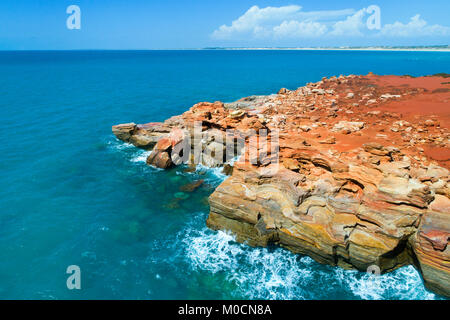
(191, 187)
(181, 195)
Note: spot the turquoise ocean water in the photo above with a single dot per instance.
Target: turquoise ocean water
(71, 194)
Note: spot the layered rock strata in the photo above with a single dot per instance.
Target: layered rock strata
(358, 175)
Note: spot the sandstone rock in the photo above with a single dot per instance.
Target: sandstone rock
(237, 114)
(305, 128)
(376, 149)
(351, 201)
(397, 168)
(389, 96)
(227, 169)
(348, 126)
(329, 140)
(142, 136)
(429, 123)
(164, 144)
(291, 164)
(159, 159)
(124, 131)
(431, 247)
(143, 140)
(318, 91)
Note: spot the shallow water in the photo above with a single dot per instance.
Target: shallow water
(72, 194)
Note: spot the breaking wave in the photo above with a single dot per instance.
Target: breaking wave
(275, 273)
(132, 153)
(214, 173)
(140, 156)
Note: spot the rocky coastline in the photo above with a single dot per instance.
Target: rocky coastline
(352, 171)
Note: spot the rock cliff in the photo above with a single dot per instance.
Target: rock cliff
(352, 170)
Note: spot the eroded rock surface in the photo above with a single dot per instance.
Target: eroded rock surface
(362, 173)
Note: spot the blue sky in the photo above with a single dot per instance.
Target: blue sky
(147, 24)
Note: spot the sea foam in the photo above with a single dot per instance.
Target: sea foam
(132, 153)
(275, 273)
(140, 156)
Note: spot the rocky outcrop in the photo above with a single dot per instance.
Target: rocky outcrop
(431, 247)
(144, 135)
(352, 171)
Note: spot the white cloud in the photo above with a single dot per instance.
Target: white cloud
(290, 22)
(275, 21)
(296, 29)
(414, 28)
(352, 26)
(254, 19)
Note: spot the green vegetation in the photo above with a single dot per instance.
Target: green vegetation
(443, 75)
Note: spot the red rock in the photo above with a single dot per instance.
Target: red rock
(159, 159)
(438, 239)
(352, 185)
(124, 131)
(163, 144)
(176, 136)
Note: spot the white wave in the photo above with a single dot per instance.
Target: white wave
(232, 161)
(213, 252)
(258, 272)
(120, 145)
(217, 172)
(133, 153)
(140, 156)
(404, 283)
(261, 273)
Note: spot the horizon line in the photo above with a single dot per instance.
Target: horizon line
(431, 48)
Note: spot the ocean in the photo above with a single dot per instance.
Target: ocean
(72, 194)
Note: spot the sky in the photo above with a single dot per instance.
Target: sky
(184, 24)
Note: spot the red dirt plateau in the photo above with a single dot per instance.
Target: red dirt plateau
(353, 170)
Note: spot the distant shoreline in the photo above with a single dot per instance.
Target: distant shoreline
(406, 49)
(431, 49)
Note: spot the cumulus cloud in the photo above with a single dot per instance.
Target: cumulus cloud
(352, 26)
(414, 28)
(254, 19)
(276, 21)
(296, 29)
(290, 22)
